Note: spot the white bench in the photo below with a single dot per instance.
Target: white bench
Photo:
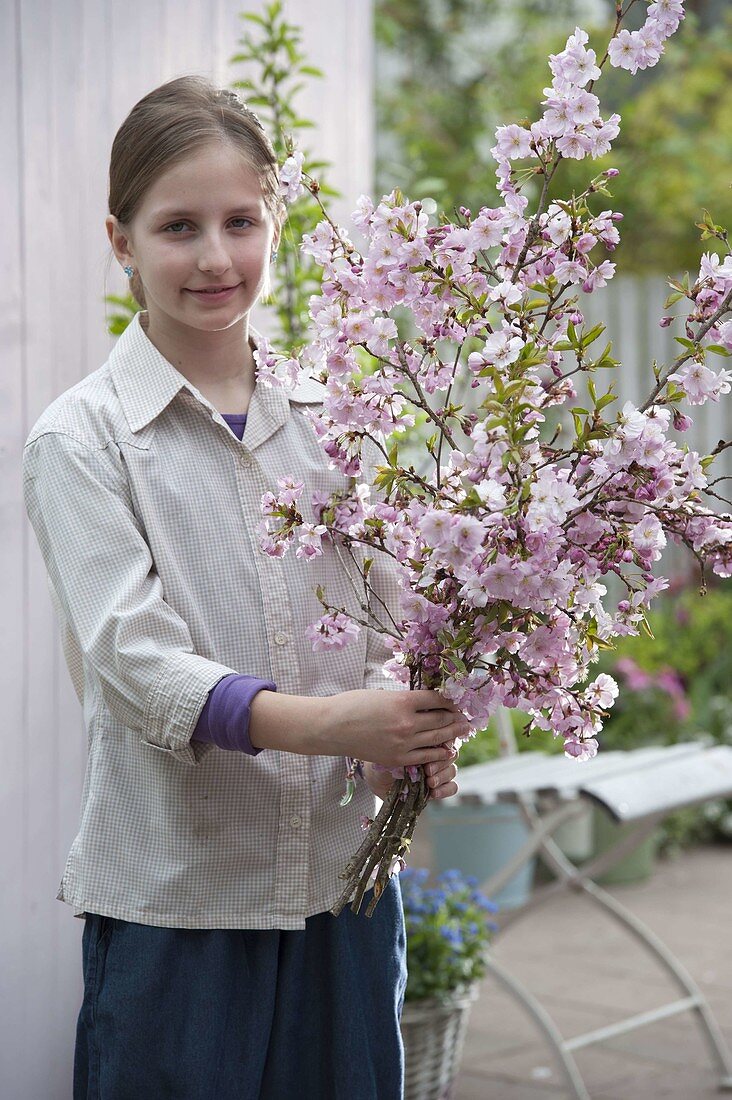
(639, 787)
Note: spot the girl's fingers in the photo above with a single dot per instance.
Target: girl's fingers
(445, 792)
(438, 776)
(434, 721)
(441, 735)
(439, 755)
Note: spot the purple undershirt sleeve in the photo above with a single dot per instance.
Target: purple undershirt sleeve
(224, 719)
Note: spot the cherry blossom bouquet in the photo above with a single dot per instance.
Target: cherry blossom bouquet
(501, 548)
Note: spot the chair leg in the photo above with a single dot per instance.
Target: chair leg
(544, 1022)
(718, 1048)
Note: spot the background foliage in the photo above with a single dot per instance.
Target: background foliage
(450, 71)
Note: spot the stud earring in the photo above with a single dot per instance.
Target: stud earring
(273, 256)
(129, 271)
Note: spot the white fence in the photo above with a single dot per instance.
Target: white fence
(71, 71)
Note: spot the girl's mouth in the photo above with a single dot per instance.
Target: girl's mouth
(214, 294)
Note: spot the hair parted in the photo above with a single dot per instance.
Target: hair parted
(174, 120)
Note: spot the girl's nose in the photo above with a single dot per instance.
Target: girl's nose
(214, 257)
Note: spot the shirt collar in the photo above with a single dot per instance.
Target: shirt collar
(146, 383)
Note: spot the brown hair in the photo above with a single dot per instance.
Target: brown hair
(172, 121)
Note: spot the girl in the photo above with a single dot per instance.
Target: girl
(211, 835)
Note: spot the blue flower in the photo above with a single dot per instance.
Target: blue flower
(485, 903)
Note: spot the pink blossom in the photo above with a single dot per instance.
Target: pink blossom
(436, 527)
(599, 276)
(273, 547)
(574, 145)
(718, 271)
(311, 539)
(290, 179)
(682, 422)
(724, 335)
(625, 50)
(486, 229)
(332, 631)
(361, 216)
(570, 271)
(648, 537)
(579, 749)
(575, 65)
(603, 691)
(466, 533)
(500, 349)
(667, 14)
(513, 142)
(505, 292)
(290, 490)
(700, 383)
(585, 243)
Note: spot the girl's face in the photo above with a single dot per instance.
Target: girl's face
(200, 241)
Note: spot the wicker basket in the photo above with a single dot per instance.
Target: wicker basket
(434, 1032)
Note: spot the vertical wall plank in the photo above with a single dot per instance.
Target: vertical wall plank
(72, 70)
(13, 539)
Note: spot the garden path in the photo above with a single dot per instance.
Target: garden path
(588, 973)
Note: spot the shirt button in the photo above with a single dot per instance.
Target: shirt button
(295, 821)
(281, 638)
(245, 460)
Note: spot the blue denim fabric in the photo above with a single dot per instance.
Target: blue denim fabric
(228, 1014)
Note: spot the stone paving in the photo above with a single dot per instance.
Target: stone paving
(588, 972)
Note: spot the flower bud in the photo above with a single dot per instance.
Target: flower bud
(665, 322)
(610, 173)
(682, 422)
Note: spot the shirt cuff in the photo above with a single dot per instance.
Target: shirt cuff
(224, 720)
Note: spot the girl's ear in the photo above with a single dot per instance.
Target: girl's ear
(119, 240)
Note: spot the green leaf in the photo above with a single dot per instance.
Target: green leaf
(592, 335)
(350, 791)
(673, 298)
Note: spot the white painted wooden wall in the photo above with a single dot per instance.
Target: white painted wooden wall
(71, 71)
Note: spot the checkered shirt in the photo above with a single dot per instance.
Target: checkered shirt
(145, 506)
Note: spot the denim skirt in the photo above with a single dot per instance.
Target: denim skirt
(232, 1014)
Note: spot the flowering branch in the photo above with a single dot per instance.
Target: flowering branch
(500, 553)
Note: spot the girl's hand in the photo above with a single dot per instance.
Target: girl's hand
(393, 728)
(440, 777)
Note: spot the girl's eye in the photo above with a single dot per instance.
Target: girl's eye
(173, 227)
(247, 222)
(176, 227)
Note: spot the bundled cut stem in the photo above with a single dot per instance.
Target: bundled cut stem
(388, 839)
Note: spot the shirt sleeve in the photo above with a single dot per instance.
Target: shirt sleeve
(384, 580)
(224, 720)
(102, 571)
